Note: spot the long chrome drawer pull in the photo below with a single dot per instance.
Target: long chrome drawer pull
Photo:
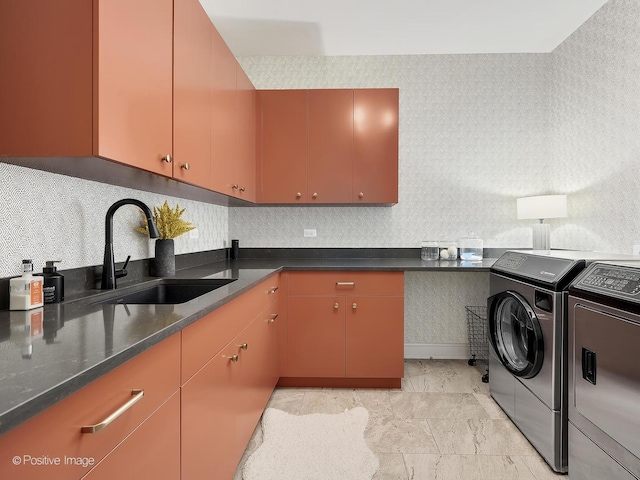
(136, 396)
(345, 284)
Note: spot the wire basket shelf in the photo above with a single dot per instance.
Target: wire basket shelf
(477, 334)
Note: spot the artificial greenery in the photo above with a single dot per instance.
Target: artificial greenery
(168, 221)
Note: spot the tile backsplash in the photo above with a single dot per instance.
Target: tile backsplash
(47, 216)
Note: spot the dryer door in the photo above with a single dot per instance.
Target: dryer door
(515, 333)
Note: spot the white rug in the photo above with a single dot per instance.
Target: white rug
(312, 447)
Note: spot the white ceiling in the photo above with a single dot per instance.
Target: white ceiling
(398, 27)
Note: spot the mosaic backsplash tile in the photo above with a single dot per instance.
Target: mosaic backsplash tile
(68, 224)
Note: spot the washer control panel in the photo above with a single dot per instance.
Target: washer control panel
(613, 280)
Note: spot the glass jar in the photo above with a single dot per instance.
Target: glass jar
(429, 250)
(448, 250)
(471, 248)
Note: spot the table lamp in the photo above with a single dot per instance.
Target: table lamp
(541, 207)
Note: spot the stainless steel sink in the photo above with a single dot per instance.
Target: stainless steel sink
(167, 291)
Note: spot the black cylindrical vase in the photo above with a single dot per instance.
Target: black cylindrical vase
(165, 260)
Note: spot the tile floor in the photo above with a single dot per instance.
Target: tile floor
(441, 425)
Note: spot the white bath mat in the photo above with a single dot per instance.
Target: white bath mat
(312, 447)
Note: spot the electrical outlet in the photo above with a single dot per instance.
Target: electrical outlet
(636, 249)
(310, 232)
(193, 233)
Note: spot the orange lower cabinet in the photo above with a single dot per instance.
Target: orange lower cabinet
(151, 451)
(209, 412)
(222, 403)
(375, 337)
(136, 390)
(258, 374)
(316, 339)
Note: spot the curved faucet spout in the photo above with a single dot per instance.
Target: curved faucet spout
(108, 265)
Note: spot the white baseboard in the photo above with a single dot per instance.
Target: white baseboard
(447, 351)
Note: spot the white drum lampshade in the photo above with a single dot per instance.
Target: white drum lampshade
(541, 207)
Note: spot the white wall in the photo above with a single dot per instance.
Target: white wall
(595, 129)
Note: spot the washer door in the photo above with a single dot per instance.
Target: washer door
(515, 333)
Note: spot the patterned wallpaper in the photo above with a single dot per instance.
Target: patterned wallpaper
(478, 131)
(595, 129)
(473, 137)
(45, 216)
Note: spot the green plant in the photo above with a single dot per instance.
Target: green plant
(168, 221)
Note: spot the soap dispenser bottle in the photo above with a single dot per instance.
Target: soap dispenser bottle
(25, 292)
(53, 283)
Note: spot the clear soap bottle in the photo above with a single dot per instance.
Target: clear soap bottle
(25, 292)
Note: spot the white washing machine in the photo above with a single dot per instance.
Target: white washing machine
(527, 321)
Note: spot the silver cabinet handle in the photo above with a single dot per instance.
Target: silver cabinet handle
(185, 166)
(272, 290)
(136, 396)
(167, 158)
(345, 284)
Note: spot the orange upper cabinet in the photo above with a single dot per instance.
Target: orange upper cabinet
(224, 118)
(133, 74)
(282, 172)
(342, 145)
(330, 147)
(88, 78)
(246, 165)
(375, 139)
(192, 93)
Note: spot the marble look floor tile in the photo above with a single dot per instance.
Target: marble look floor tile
(444, 376)
(391, 467)
(491, 407)
(287, 399)
(377, 402)
(479, 436)
(467, 467)
(408, 405)
(540, 469)
(392, 435)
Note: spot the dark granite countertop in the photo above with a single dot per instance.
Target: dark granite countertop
(73, 343)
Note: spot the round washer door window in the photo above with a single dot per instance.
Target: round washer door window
(516, 335)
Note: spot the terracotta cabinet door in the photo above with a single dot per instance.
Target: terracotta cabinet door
(258, 369)
(375, 337)
(283, 151)
(151, 451)
(46, 82)
(133, 75)
(330, 152)
(375, 161)
(192, 93)
(210, 407)
(246, 104)
(316, 336)
(224, 118)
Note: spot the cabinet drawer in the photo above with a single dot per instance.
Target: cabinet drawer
(56, 432)
(206, 337)
(345, 283)
(151, 451)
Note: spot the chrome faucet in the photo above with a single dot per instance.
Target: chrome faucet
(109, 273)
